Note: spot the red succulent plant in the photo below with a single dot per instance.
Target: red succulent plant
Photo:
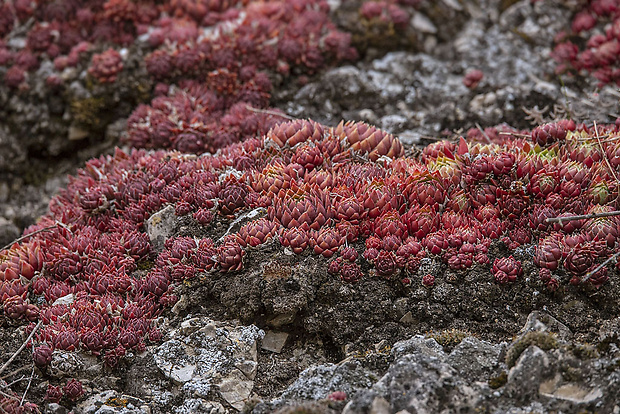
(73, 389)
(506, 269)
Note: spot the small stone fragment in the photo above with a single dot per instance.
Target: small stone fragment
(380, 406)
(274, 341)
(161, 226)
(407, 318)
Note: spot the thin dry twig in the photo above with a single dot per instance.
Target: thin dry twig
(24, 237)
(604, 141)
(514, 134)
(599, 267)
(612, 139)
(484, 134)
(581, 217)
(593, 138)
(604, 154)
(21, 348)
(15, 372)
(29, 383)
(269, 112)
(10, 384)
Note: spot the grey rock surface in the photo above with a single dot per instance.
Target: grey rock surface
(162, 225)
(112, 402)
(200, 406)
(65, 364)
(209, 359)
(420, 94)
(557, 375)
(274, 341)
(525, 377)
(418, 381)
(318, 382)
(474, 359)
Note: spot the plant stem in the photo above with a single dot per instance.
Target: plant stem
(585, 216)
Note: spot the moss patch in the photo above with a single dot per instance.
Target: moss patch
(543, 340)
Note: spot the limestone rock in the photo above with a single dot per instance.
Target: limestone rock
(210, 358)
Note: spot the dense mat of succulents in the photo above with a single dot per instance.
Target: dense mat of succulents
(285, 35)
(591, 45)
(321, 190)
(93, 62)
(87, 276)
(216, 54)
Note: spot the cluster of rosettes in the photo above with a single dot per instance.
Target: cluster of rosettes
(578, 246)
(11, 402)
(593, 43)
(229, 68)
(72, 391)
(190, 40)
(279, 35)
(106, 66)
(19, 264)
(78, 272)
(345, 193)
(386, 12)
(506, 269)
(196, 119)
(60, 31)
(86, 296)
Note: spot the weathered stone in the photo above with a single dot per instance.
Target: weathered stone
(418, 344)
(76, 133)
(543, 322)
(318, 382)
(248, 368)
(575, 393)
(407, 318)
(112, 402)
(199, 387)
(282, 319)
(474, 359)
(190, 326)
(65, 364)
(274, 341)
(161, 225)
(200, 406)
(54, 408)
(65, 300)
(181, 305)
(236, 390)
(380, 406)
(418, 382)
(422, 23)
(206, 355)
(525, 377)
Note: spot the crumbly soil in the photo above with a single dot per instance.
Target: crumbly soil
(329, 320)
